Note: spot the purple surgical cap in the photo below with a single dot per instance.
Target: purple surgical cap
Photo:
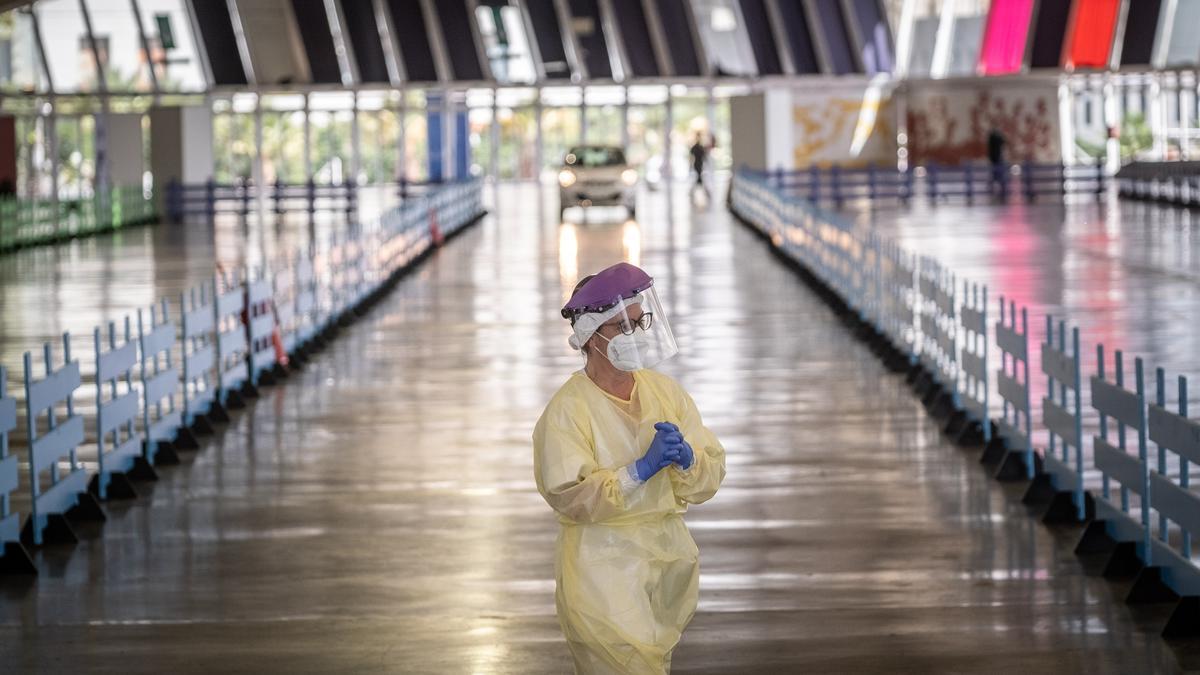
(602, 291)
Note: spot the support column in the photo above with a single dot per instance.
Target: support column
(583, 125)
(494, 159)
(355, 144)
(539, 141)
(308, 167)
(434, 137)
(181, 147)
(625, 120)
(668, 124)
(461, 141)
(402, 146)
(125, 157)
(1112, 125)
(260, 202)
(1156, 116)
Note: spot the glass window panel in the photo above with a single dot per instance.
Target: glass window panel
(126, 67)
(506, 44)
(68, 53)
(20, 65)
(331, 145)
(724, 37)
(380, 134)
(416, 145)
(965, 42)
(1184, 47)
(172, 45)
(518, 143)
(560, 130)
(604, 125)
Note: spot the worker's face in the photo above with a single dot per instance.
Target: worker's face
(597, 345)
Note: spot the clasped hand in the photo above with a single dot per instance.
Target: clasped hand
(667, 447)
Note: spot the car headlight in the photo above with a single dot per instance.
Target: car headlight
(629, 176)
(566, 178)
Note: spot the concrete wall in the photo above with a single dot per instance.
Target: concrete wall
(125, 149)
(181, 149)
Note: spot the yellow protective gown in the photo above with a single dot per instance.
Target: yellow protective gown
(627, 569)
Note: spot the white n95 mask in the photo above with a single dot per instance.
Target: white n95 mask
(629, 352)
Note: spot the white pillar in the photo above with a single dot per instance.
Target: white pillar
(181, 146)
(308, 167)
(125, 149)
(355, 144)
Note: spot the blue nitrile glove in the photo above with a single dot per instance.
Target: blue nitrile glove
(663, 450)
(686, 456)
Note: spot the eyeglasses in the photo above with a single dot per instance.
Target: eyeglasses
(627, 327)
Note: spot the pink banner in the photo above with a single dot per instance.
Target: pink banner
(1005, 37)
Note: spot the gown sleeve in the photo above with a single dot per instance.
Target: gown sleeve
(699, 482)
(565, 467)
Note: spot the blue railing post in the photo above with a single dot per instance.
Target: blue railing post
(931, 180)
(814, 183)
(871, 182)
(969, 179)
(174, 201)
(210, 198)
(312, 197)
(278, 196)
(835, 184)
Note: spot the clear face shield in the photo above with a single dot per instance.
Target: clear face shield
(634, 333)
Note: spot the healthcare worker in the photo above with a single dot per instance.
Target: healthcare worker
(619, 453)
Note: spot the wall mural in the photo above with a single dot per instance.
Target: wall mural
(953, 128)
(843, 131)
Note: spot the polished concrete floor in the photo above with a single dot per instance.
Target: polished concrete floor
(377, 513)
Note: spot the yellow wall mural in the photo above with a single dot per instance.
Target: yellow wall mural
(843, 131)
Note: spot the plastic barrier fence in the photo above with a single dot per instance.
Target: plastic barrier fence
(118, 443)
(228, 332)
(1141, 510)
(61, 493)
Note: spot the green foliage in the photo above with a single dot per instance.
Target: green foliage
(1135, 135)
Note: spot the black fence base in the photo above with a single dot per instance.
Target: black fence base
(86, 510)
(142, 471)
(16, 561)
(942, 407)
(1095, 540)
(970, 436)
(1184, 623)
(218, 413)
(249, 390)
(1013, 468)
(164, 454)
(202, 426)
(234, 400)
(119, 487)
(1124, 562)
(58, 532)
(993, 452)
(1041, 491)
(1149, 588)
(186, 440)
(914, 372)
(1062, 510)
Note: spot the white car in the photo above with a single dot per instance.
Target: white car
(597, 175)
